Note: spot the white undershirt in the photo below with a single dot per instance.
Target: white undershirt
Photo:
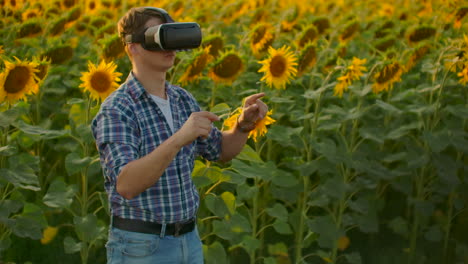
(165, 107)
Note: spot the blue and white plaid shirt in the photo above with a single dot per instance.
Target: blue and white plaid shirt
(129, 126)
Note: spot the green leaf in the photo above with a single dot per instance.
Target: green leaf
(104, 201)
(250, 244)
(220, 109)
(239, 224)
(334, 187)
(278, 211)
(8, 150)
(216, 205)
(73, 101)
(5, 243)
(399, 226)
(434, 234)
(87, 228)
(71, 246)
(326, 228)
(282, 100)
(59, 194)
(373, 133)
(39, 131)
(437, 140)
(8, 207)
(283, 178)
(278, 249)
(447, 168)
(314, 94)
(215, 254)
(248, 154)
(222, 230)
(459, 110)
(22, 177)
(403, 130)
(282, 227)
(8, 117)
(230, 201)
(246, 192)
(388, 107)
(255, 170)
(74, 163)
(27, 227)
(278, 134)
(353, 258)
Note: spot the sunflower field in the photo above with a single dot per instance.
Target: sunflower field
(361, 159)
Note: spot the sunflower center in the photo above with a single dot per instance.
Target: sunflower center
(277, 66)
(229, 67)
(101, 81)
(17, 79)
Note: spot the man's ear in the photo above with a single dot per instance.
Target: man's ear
(132, 48)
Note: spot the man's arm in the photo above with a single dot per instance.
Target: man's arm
(234, 140)
(140, 174)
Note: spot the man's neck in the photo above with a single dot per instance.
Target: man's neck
(154, 82)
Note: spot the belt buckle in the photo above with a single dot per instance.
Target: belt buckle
(177, 228)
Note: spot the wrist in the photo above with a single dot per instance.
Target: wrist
(245, 126)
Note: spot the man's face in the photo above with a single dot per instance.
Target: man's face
(155, 60)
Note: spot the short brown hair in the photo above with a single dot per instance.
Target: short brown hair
(134, 21)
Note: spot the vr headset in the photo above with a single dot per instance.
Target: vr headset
(170, 35)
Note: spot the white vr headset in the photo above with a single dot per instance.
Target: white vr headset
(170, 35)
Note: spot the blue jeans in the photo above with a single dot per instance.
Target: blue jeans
(125, 247)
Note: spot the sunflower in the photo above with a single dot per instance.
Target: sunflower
(57, 26)
(290, 19)
(216, 43)
(461, 13)
(30, 13)
(307, 58)
(279, 67)
(100, 81)
(92, 6)
(417, 55)
(309, 34)
(227, 68)
(199, 61)
(112, 47)
(30, 28)
(385, 43)
(463, 75)
(42, 68)
(353, 72)
(59, 54)
(349, 30)
(421, 33)
(261, 38)
(1, 50)
(260, 127)
(18, 80)
(385, 78)
(322, 24)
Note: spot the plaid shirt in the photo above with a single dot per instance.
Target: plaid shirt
(129, 126)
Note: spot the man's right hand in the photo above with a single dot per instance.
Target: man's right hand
(197, 125)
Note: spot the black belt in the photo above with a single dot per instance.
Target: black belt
(140, 226)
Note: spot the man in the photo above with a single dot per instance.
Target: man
(148, 134)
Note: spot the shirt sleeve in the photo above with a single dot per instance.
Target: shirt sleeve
(117, 140)
(210, 148)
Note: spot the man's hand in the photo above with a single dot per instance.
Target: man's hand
(197, 125)
(253, 111)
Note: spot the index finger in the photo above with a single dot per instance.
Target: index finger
(212, 117)
(253, 98)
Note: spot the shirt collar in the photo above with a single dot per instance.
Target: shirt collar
(136, 89)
